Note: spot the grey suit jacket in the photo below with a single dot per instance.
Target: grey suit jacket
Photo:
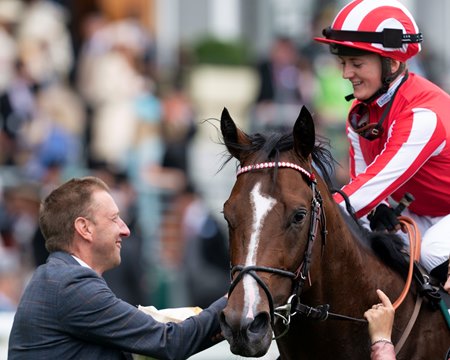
(68, 312)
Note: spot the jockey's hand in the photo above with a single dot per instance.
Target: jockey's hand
(383, 218)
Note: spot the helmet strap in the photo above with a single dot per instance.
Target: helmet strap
(387, 77)
(378, 128)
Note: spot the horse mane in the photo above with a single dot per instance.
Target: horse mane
(268, 147)
(390, 249)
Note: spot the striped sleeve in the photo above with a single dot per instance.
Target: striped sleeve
(411, 141)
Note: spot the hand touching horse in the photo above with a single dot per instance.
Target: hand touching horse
(293, 251)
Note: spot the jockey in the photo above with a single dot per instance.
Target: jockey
(398, 125)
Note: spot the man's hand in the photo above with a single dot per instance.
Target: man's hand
(383, 218)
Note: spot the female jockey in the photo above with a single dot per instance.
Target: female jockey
(398, 126)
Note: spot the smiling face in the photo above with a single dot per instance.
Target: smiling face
(364, 72)
(108, 229)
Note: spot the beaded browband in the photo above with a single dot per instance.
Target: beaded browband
(272, 164)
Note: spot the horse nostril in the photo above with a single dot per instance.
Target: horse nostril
(224, 326)
(223, 320)
(260, 322)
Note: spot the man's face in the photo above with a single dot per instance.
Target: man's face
(108, 231)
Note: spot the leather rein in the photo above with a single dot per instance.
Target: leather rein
(299, 277)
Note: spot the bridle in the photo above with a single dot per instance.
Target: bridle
(300, 276)
(294, 305)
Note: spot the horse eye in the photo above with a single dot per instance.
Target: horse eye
(299, 216)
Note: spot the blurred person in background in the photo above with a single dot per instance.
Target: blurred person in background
(41, 115)
(11, 279)
(44, 41)
(21, 211)
(331, 109)
(206, 263)
(328, 103)
(124, 112)
(178, 128)
(53, 136)
(286, 81)
(110, 47)
(195, 247)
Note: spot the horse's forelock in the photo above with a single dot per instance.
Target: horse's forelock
(268, 147)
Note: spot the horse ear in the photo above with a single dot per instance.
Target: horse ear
(233, 137)
(304, 133)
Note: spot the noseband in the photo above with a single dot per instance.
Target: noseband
(299, 277)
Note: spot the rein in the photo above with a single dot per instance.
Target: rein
(410, 227)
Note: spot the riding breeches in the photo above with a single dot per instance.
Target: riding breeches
(435, 237)
(435, 233)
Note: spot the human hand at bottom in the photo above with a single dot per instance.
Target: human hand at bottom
(381, 319)
(447, 284)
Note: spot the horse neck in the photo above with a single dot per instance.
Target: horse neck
(343, 245)
(346, 263)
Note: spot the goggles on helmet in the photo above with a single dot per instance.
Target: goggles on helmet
(389, 38)
(386, 28)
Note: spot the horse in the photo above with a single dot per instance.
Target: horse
(296, 258)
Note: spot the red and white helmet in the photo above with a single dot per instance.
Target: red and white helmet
(385, 27)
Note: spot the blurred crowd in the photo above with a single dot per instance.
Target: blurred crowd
(99, 109)
(95, 110)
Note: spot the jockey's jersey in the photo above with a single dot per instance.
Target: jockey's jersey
(412, 155)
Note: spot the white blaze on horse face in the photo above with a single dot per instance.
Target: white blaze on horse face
(261, 205)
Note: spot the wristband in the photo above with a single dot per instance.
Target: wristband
(382, 340)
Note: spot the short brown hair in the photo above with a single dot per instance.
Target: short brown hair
(62, 206)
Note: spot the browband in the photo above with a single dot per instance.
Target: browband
(273, 164)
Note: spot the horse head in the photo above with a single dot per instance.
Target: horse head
(273, 215)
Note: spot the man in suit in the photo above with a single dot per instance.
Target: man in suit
(67, 310)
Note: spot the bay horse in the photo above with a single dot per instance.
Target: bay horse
(296, 259)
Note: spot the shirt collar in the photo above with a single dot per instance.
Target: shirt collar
(81, 262)
(384, 99)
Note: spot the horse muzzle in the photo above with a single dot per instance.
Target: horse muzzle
(249, 337)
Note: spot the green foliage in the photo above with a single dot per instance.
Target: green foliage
(210, 50)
